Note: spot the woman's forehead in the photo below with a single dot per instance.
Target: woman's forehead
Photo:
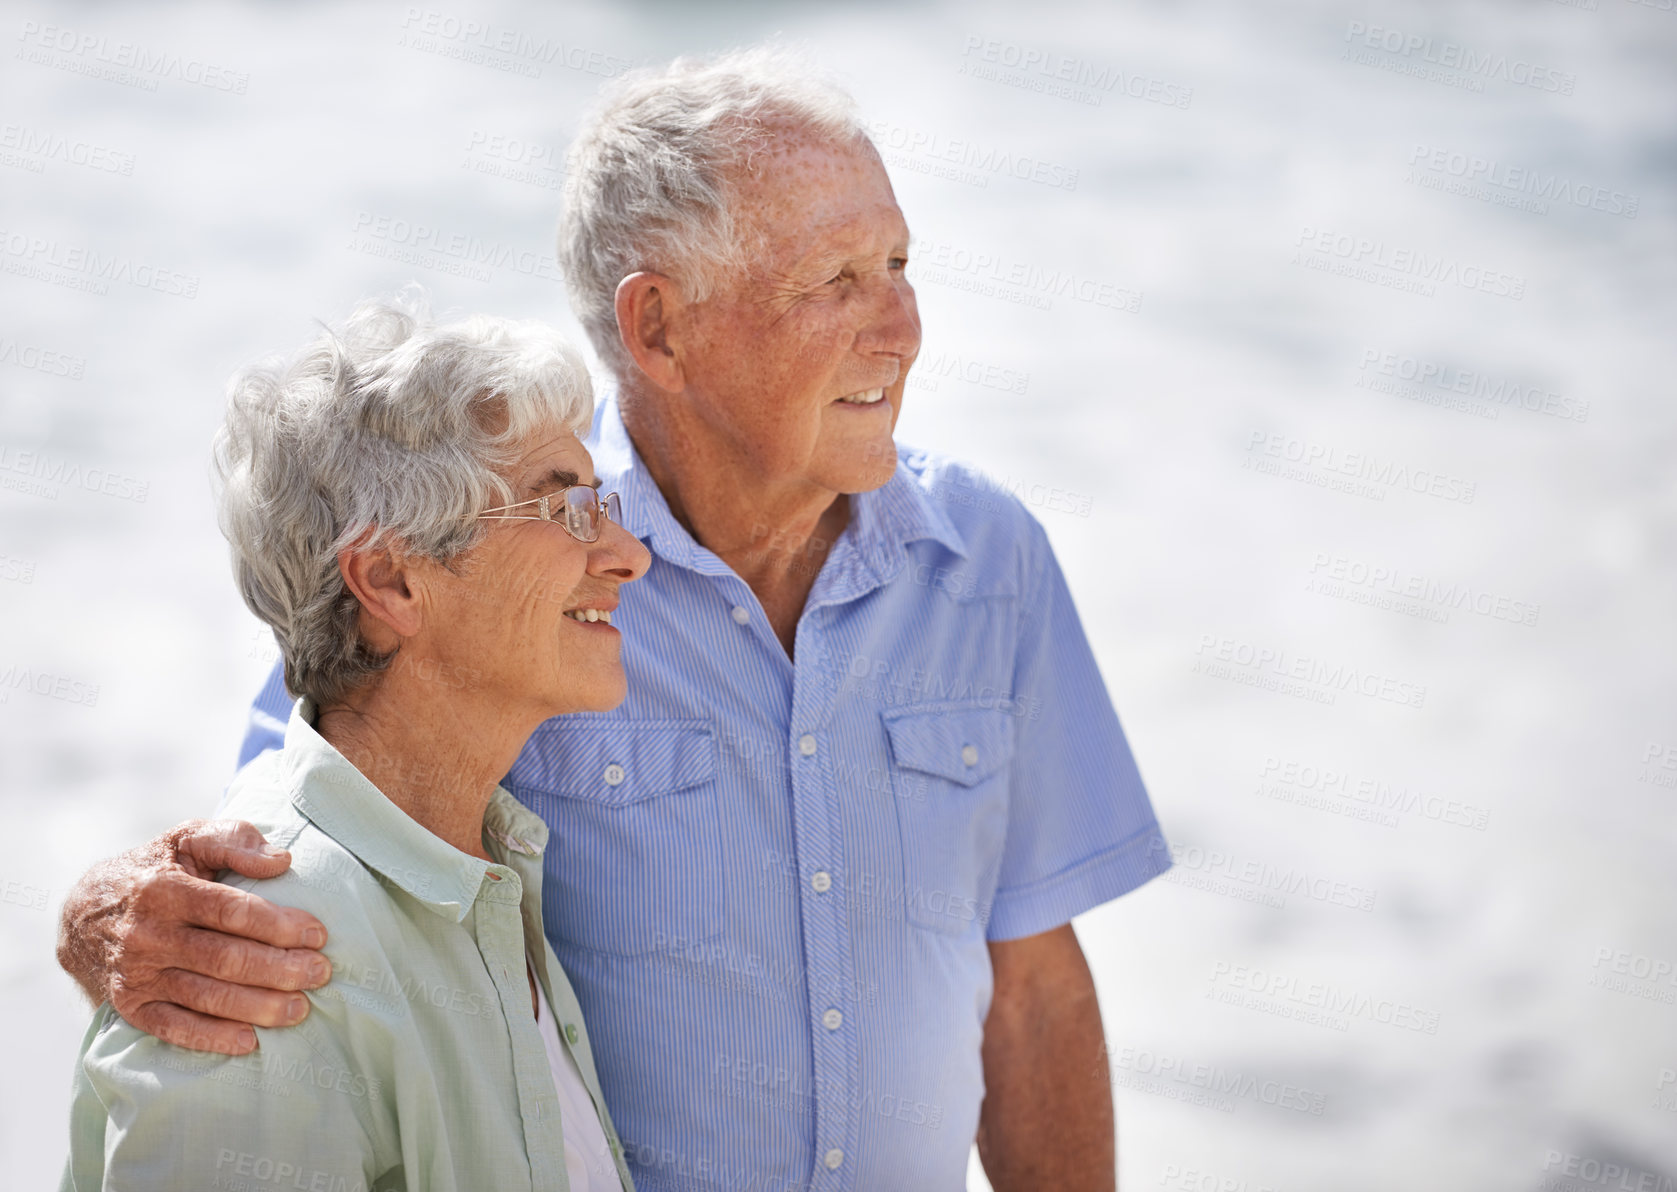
(554, 458)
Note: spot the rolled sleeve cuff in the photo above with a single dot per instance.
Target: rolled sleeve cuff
(1046, 904)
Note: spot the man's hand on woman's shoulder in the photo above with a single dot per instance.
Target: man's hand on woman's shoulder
(183, 957)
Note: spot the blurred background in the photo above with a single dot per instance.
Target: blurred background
(1332, 343)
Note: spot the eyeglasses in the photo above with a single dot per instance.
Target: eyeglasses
(579, 509)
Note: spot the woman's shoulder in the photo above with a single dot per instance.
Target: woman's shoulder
(371, 926)
(326, 877)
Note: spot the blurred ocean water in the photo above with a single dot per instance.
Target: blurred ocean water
(1332, 344)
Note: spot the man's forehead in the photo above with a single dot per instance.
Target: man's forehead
(813, 191)
(839, 233)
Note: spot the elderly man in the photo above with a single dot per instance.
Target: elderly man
(813, 880)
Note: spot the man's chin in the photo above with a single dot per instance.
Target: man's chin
(863, 475)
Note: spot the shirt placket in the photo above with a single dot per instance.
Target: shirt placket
(823, 889)
(500, 939)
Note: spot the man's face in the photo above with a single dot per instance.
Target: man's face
(799, 365)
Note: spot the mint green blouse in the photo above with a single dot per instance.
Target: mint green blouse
(420, 1065)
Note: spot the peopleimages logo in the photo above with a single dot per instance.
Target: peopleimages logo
(994, 275)
(1354, 466)
(1031, 68)
(1334, 786)
(451, 252)
(49, 686)
(1276, 669)
(1477, 65)
(1580, 1172)
(48, 259)
(45, 360)
(913, 145)
(1190, 861)
(1215, 1080)
(1363, 257)
(1278, 993)
(37, 473)
(39, 146)
(1484, 391)
(116, 59)
(1533, 186)
(1332, 572)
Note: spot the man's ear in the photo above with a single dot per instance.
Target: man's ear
(647, 304)
(383, 580)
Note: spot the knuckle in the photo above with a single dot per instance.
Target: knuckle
(196, 993)
(232, 913)
(231, 834)
(176, 837)
(241, 965)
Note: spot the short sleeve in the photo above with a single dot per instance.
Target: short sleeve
(146, 1114)
(1081, 829)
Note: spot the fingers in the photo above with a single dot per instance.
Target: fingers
(245, 962)
(187, 1029)
(237, 912)
(228, 1001)
(206, 847)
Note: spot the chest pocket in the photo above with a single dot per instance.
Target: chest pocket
(950, 782)
(634, 853)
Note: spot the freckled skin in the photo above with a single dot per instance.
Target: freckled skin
(737, 421)
(732, 407)
(730, 403)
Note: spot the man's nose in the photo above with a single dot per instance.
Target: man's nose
(893, 327)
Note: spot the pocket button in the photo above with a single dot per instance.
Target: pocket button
(614, 774)
(969, 755)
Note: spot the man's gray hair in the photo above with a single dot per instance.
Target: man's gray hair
(650, 177)
(389, 431)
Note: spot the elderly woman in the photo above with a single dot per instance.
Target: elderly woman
(411, 510)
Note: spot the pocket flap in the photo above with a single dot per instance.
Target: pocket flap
(615, 762)
(962, 743)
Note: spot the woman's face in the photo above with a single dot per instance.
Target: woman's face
(499, 623)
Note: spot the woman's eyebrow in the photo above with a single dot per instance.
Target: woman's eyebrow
(556, 478)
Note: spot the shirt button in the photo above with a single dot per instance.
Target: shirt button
(832, 1020)
(834, 1159)
(614, 774)
(821, 880)
(570, 1032)
(806, 745)
(741, 615)
(969, 754)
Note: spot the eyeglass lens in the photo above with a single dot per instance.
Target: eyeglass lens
(583, 507)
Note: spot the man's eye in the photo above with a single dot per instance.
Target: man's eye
(899, 263)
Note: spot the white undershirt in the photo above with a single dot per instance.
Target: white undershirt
(587, 1155)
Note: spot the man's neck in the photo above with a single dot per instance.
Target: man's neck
(776, 537)
(434, 750)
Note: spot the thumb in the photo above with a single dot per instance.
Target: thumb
(206, 848)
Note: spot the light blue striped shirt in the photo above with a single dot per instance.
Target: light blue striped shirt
(772, 882)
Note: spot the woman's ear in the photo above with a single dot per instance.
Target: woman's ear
(385, 582)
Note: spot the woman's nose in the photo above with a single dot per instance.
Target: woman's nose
(618, 553)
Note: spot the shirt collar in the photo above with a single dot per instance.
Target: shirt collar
(327, 788)
(882, 522)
